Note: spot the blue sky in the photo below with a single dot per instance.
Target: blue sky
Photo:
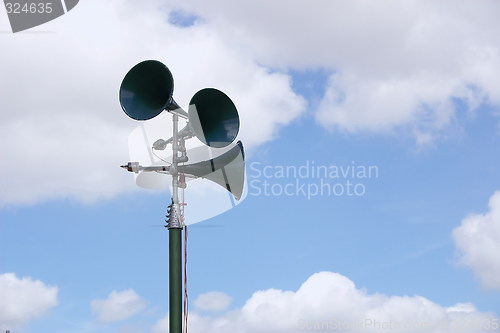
(411, 91)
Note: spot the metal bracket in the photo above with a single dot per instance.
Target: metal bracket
(173, 217)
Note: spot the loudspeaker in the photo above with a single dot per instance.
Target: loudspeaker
(213, 118)
(227, 170)
(147, 90)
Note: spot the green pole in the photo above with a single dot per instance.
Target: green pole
(174, 226)
(175, 277)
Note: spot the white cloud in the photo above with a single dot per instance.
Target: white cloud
(119, 305)
(394, 64)
(327, 300)
(23, 300)
(162, 325)
(478, 241)
(63, 133)
(212, 301)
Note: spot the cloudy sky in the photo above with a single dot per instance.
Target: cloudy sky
(372, 133)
